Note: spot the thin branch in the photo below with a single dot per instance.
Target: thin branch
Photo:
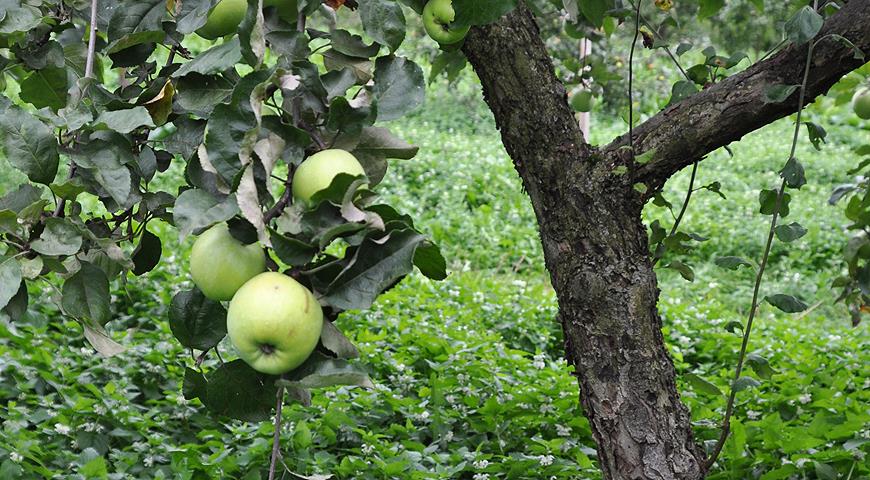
(276, 439)
(729, 408)
(631, 80)
(679, 217)
(92, 41)
(61, 206)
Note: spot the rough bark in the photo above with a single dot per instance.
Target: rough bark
(594, 241)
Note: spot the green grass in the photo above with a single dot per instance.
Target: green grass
(469, 378)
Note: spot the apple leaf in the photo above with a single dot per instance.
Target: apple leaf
(194, 385)
(238, 391)
(804, 26)
(29, 145)
(374, 266)
(17, 306)
(320, 371)
(482, 12)
(60, 237)
(192, 15)
(786, 303)
(99, 338)
(760, 365)
(147, 254)
(384, 21)
(745, 383)
(196, 321)
(10, 279)
(336, 342)
(702, 385)
(86, 295)
(214, 60)
(291, 251)
(196, 208)
(399, 87)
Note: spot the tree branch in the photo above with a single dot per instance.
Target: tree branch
(726, 111)
(92, 41)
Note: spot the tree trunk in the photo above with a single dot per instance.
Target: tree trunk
(588, 205)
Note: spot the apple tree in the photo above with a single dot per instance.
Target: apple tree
(114, 94)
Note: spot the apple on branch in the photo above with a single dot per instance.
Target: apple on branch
(318, 171)
(274, 322)
(861, 103)
(220, 264)
(438, 17)
(224, 19)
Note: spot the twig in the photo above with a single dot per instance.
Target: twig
(679, 217)
(631, 80)
(276, 439)
(729, 408)
(283, 202)
(92, 41)
(61, 205)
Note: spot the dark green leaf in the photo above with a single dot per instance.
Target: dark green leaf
(767, 200)
(594, 10)
(10, 279)
(352, 45)
(481, 12)
(225, 136)
(291, 251)
(701, 385)
(708, 8)
(135, 22)
(195, 209)
(239, 392)
(147, 253)
(786, 303)
(214, 60)
(685, 270)
(46, 88)
(760, 366)
(200, 94)
(320, 371)
(682, 89)
(384, 21)
(335, 341)
(793, 173)
(196, 321)
(194, 385)
(86, 295)
(804, 26)
(29, 145)
(60, 237)
(779, 93)
(16, 308)
(124, 121)
(745, 383)
(790, 232)
(818, 135)
(429, 260)
(732, 263)
(399, 87)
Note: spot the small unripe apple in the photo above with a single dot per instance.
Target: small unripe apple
(582, 100)
(220, 264)
(318, 171)
(224, 19)
(861, 103)
(437, 17)
(274, 322)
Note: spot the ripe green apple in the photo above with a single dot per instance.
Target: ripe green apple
(318, 171)
(861, 103)
(224, 19)
(220, 264)
(437, 17)
(274, 322)
(582, 100)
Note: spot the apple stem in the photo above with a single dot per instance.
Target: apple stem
(276, 439)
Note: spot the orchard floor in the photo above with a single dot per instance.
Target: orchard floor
(470, 383)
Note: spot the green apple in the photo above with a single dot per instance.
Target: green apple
(582, 100)
(224, 19)
(287, 9)
(318, 171)
(274, 322)
(437, 17)
(220, 264)
(861, 103)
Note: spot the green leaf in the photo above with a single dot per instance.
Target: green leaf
(237, 391)
(46, 88)
(733, 326)
(196, 321)
(214, 60)
(732, 263)
(685, 270)
(375, 265)
(60, 237)
(147, 254)
(429, 260)
(449, 63)
(10, 279)
(194, 385)
(481, 12)
(252, 34)
(200, 94)
(790, 232)
(86, 295)
(352, 45)
(594, 10)
(701, 385)
(708, 8)
(226, 134)
(779, 93)
(817, 134)
(320, 371)
(29, 145)
(384, 21)
(135, 22)
(804, 25)
(291, 251)
(793, 173)
(760, 366)
(767, 200)
(195, 209)
(192, 15)
(105, 164)
(786, 303)
(825, 471)
(399, 87)
(681, 90)
(745, 383)
(124, 121)
(336, 342)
